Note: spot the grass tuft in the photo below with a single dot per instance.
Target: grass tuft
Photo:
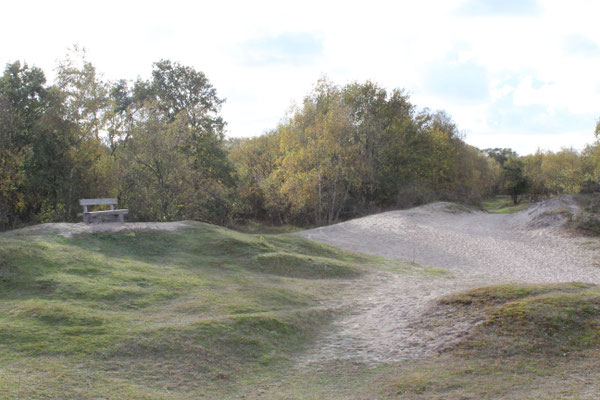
(497, 294)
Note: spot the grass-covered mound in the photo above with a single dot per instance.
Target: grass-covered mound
(159, 314)
(544, 319)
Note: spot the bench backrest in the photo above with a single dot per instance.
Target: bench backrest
(97, 202)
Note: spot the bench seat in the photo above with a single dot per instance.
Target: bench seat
(111, 215)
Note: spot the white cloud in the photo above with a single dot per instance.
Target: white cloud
(538, 55)
(513, 8)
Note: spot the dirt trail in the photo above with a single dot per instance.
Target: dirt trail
(391, 311)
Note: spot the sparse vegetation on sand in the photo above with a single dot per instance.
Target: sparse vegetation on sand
(532, 341)
(587, 219)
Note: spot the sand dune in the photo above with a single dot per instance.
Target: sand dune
(477, 248)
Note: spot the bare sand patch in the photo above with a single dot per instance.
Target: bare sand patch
(390, 312)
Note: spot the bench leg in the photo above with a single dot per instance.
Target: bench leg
(121, 218)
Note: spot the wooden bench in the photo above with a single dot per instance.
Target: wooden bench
(111, 215)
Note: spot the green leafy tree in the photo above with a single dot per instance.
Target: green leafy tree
(178, 91)
(501, 155)
(257, 161)
(318, 165)
(515, 181)
(533, 170)
(86, 99)
(22, 95)
(86, 95)
(159, 177)
(119, 114)
(563, 171)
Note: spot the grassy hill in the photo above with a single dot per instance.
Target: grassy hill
(158, 315)
(206, 312)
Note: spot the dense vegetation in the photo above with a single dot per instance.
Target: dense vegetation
(159, 146)
(347, 150)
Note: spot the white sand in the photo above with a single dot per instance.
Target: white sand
(478, 249)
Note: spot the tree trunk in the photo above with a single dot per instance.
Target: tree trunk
(70, 196)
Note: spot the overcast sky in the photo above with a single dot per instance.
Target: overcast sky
(512, 73)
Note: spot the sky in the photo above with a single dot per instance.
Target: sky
(523, 74)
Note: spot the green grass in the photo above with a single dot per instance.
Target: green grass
(497, 294)
(213, 313)
(503, 205)
(157, 315)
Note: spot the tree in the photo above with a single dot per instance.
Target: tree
(501, 155)
(178, 90)
(349, 149)
(86, 95)
(158, 176)
(318, 166)
(85, 103)
(533, 170)
(23, 96)
(563, 171)
(119, 114)
(257, 161)
(515, 181)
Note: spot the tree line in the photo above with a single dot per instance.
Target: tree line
(354, 149)
(543, 174)
(158, 145)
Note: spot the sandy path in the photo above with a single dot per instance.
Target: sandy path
(478, 249)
